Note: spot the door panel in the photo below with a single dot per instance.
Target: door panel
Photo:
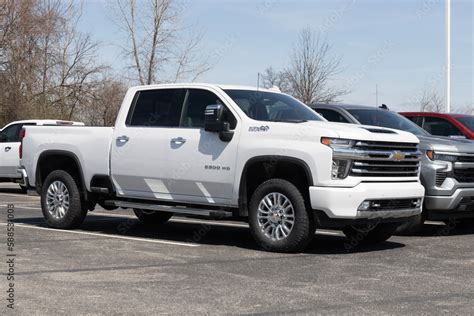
(139, 162)
(202, 169)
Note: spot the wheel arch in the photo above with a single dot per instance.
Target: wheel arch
(60, 160)
(271, 164)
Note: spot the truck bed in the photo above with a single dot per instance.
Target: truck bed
(90, 145)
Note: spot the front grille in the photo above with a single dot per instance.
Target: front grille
(464, 175)
(386, 159)
(466, 159)
(440, 177)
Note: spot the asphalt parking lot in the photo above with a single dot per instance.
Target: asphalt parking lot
(115, 265)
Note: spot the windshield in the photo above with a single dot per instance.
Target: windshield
(274, 107)
(467, 121)
(384, 118)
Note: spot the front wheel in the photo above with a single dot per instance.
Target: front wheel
(278, 218)
(370, 233)
(61, 201)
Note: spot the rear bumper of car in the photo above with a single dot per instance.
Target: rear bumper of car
(23, 177)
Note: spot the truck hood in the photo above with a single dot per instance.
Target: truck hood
(362, 132)
(443, 144)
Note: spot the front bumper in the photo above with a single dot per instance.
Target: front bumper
(343, 203)
(461, 200)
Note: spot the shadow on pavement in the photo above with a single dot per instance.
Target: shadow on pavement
(12, 190)
(431, 230)
(209, 234)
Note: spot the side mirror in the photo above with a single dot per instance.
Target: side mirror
(213, 122)
(213, 118)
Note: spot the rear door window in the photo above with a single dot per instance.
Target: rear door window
(157, 108)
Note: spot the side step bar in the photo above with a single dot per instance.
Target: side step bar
(171, 209)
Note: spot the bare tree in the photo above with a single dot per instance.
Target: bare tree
(273, 78)
(48, 68)
(430, 101)
(103, 106)
(312, 67)
(155, 42)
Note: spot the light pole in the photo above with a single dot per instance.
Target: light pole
(448, 54)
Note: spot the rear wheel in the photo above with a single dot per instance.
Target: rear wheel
(61, 201)
(370, 233)
(152, 218)
(278, 217)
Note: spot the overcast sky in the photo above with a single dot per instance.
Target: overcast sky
(397, 44)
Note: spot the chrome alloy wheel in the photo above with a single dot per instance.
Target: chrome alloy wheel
(57, 199)
(276, 216)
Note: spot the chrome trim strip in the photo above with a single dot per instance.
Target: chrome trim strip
(464, 165)
(356, 154)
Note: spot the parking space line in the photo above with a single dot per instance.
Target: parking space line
(157, 241)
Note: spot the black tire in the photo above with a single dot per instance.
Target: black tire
(370, 233)
(77, 210)
(463, 223)
(152, 218)
(412, 226)
(302, 229)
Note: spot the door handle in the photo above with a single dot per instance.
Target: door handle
(7, 148)
(123, 139)
(178, 140)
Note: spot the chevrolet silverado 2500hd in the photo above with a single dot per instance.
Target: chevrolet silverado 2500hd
(447, 165)
(215, 150)
(10, 144)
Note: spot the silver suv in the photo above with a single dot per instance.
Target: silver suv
(447, 170)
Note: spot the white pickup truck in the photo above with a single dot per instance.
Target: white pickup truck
(213, 150)
(10, 144)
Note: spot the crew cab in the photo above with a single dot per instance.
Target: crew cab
(228, 151)
(10, 143)
(447, 165)
(444, 124)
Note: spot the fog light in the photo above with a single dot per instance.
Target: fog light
(340, 169)
(364, 206)
(417, 203)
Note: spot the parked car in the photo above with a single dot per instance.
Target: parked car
(447, 165)
(226, 151)
(10, 143)
(443, 124)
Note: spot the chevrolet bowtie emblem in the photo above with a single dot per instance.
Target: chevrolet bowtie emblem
(398, 156)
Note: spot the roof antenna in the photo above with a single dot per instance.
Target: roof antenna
(384, 107)
(258, 80)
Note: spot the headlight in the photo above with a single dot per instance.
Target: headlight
(340, 168)
(337, 142)
(440, 157)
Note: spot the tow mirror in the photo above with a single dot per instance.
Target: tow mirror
(213, 118)
(213, 122)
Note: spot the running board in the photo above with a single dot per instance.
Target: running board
(168, 208)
